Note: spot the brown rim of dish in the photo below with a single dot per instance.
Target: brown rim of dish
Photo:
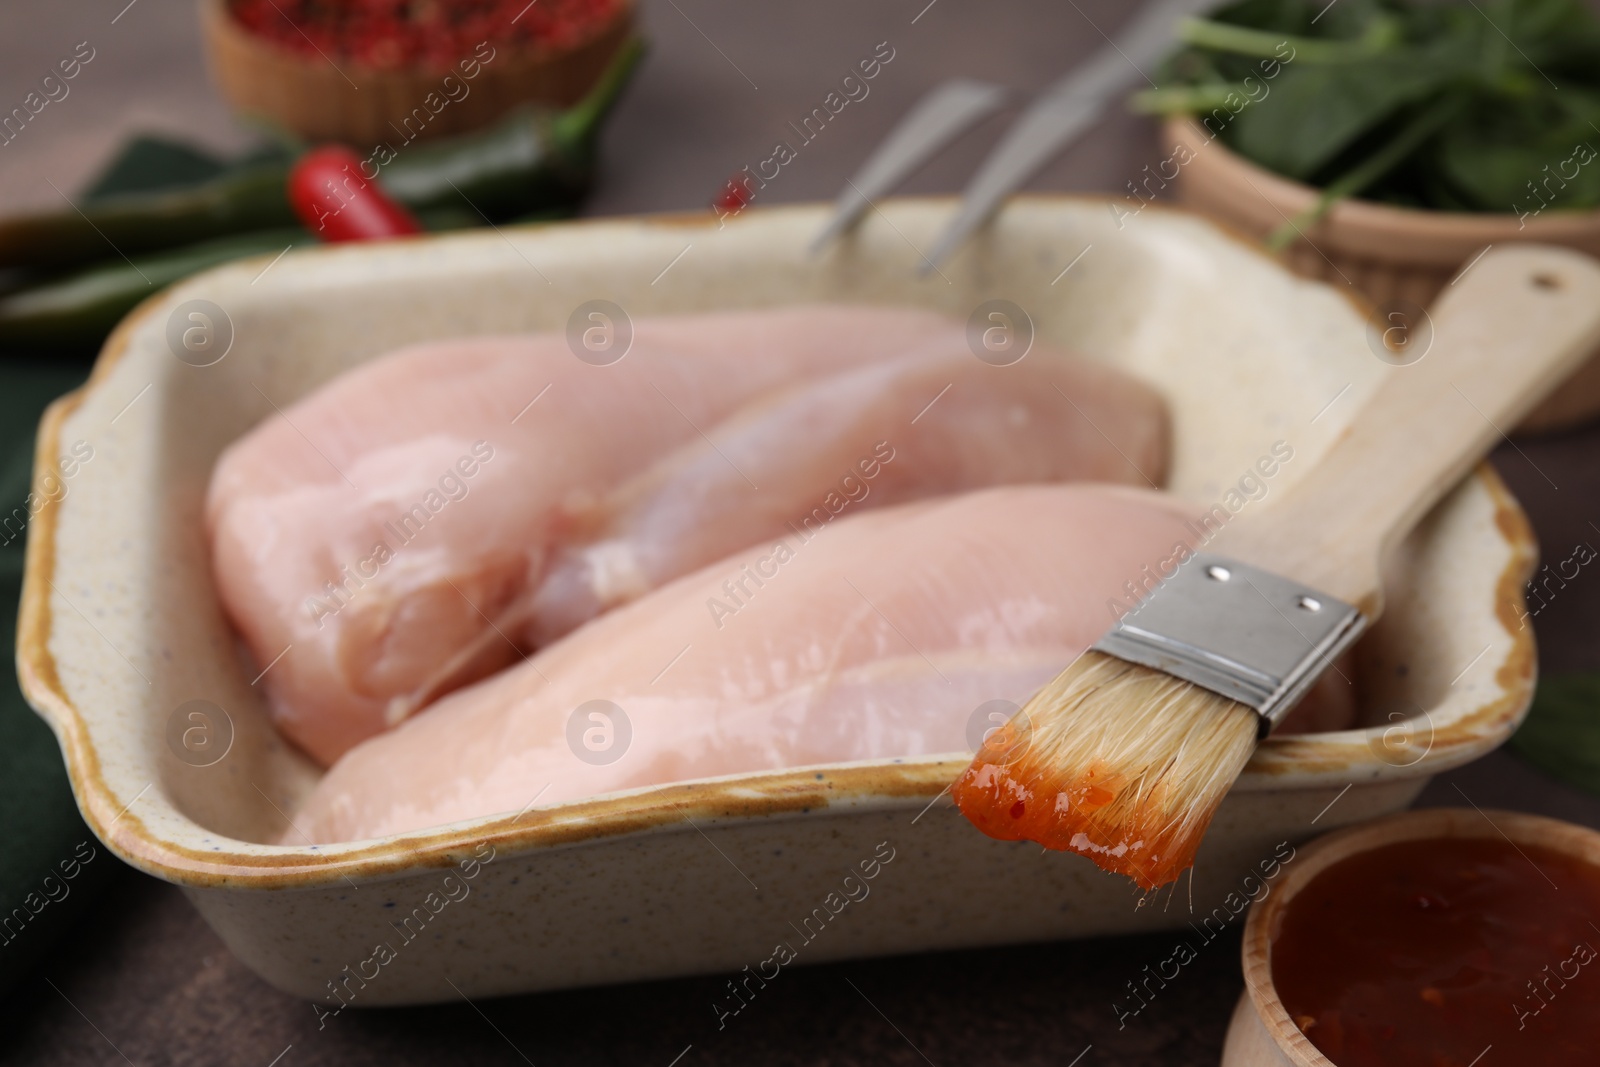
(906, 783)
(1424, 823)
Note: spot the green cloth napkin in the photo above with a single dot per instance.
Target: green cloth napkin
(50, 864)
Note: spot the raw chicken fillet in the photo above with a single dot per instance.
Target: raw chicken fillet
(437, 514)
(933, 422)
(880, 636)
(359, 535)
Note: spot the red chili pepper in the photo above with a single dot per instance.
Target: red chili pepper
(335, 201)
(733, 197)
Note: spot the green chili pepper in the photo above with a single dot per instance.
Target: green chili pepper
(75, 313)
(536, 161)
(530, 161)
(72, 313)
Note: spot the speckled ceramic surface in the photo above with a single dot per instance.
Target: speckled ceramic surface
(120, 626)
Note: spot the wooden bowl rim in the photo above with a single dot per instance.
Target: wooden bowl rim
(1420, 824)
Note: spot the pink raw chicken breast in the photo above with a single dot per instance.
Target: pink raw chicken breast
(374, 532)
(879, 637)
(394, 532)
(933, 422)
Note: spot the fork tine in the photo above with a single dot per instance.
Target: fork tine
(936, 120)
(1045, 129)
(1062, 112)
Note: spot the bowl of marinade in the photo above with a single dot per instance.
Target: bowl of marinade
(1446, 936)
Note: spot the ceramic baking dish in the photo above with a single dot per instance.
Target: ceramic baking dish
(120, 626)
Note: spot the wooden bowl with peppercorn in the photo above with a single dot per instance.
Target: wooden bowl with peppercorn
(367, 72)
(1382, 148)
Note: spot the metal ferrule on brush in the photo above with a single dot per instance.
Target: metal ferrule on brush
(1248, 634)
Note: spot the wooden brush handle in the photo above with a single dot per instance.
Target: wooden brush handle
(1505, 334)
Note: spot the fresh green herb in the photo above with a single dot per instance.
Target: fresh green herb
(1480, 106)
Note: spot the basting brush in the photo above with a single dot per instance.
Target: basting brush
(1126, 755)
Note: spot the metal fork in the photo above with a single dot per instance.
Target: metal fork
(1056, 118)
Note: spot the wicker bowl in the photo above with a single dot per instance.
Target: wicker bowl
(337, 99)
(1387, 254)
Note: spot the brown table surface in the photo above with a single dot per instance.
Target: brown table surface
(146, 982)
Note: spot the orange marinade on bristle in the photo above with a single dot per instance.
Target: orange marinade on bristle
(1114, 761)
(1005, 801)
(1122, 764)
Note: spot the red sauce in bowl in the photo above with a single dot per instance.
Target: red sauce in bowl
(1439, 952)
